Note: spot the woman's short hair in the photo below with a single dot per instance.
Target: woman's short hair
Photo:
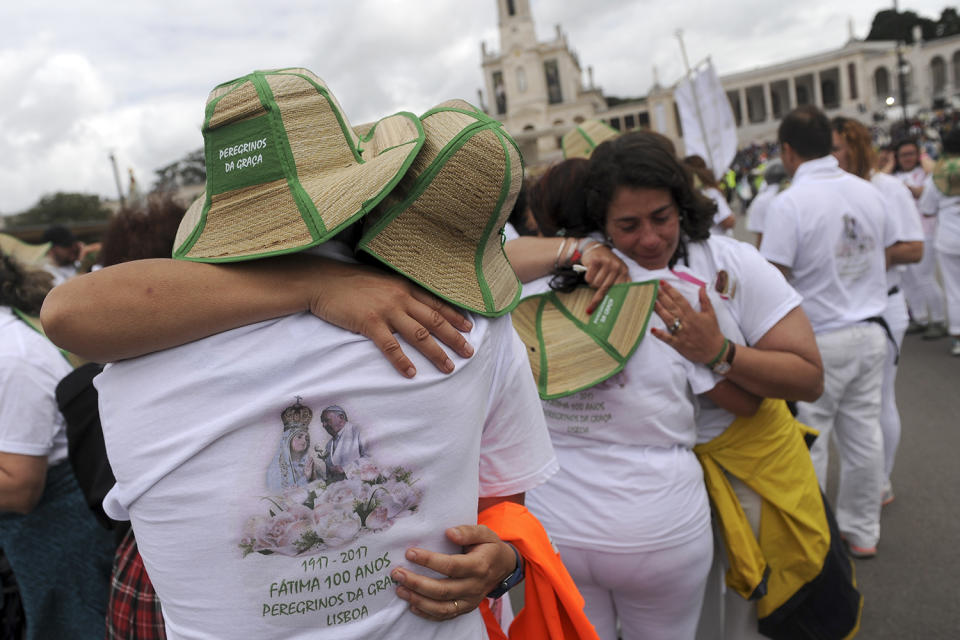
(558, 202)
(861, 156)
(641, 160)
(21, 287)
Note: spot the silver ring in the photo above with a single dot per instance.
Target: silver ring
(676, 326)
(456, 607)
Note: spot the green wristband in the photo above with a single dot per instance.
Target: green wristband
(723, 350)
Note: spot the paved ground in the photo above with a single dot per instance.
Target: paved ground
(912, 588)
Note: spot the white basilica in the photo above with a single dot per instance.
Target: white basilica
(537, 89)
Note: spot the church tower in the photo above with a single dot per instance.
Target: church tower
(516, 24)
(535, 88)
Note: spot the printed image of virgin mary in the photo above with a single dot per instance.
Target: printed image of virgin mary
(293, 465)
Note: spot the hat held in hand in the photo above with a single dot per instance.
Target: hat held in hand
(571, 350)
(442, 225)
(285, 171)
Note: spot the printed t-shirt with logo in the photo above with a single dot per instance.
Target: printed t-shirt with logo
(252, 525)
(30, 369)
(831, 232)
(628, 480)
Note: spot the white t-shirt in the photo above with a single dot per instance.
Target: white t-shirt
(757, 211)
(831, 232)
(60, 273)
(901, 204)
(723, 210)
(30, 369)
(628, 479)
(947, 210)
(756, 297)
(244, 537)
(917, 177)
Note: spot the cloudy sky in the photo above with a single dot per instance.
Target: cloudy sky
(83, 79)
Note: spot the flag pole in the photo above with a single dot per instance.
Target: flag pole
(696, 101)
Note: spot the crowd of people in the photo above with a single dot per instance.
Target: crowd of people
(581, 384)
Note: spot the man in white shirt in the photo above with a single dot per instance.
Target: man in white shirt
(344, 445)
(830, 241)
(64, 253)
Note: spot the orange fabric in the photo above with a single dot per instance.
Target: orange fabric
(553, 607)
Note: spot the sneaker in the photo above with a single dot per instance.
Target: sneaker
(955, 349)
(888, 497)
(935, 331)
(861, 553)
(915, 327)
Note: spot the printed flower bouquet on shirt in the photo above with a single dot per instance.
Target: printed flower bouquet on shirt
(309, 519)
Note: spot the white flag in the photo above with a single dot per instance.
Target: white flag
(701, 99)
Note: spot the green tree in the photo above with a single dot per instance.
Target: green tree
(892, 25)
(186, 171)
(61, 208)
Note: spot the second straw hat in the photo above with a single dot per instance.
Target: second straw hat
(285, 171)
(582, 140)
(442, 226)
(571, 350)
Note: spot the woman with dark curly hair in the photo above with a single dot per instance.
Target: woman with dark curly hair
(59, 554)
(628, 508)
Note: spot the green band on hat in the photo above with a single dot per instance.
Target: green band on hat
(570, 350)
(243, 155)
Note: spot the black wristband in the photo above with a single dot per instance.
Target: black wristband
(511, 580)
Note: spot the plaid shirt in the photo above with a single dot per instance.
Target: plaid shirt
(134, 609)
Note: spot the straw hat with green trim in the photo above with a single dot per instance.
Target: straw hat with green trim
(441, 226)
(285, 171)
(31, 255)
(570, 350)
(581, 142)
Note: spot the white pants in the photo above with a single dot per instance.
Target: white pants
(924, 296)
(726, 615)
(950, 272)
(849, 409)
(896, 317)
(655, 595)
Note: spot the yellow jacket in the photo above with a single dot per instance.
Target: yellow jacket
(769, 453)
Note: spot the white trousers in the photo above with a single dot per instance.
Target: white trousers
(726, 615)
(896, 317)
(924, 296)
(655, 595)
(849, 410)
(950, 272)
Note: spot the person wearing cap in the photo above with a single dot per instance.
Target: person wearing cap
(59, 555)
(325, 560)
(64, 253)
(831, 240)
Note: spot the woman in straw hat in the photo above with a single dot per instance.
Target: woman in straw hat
(59, 554)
